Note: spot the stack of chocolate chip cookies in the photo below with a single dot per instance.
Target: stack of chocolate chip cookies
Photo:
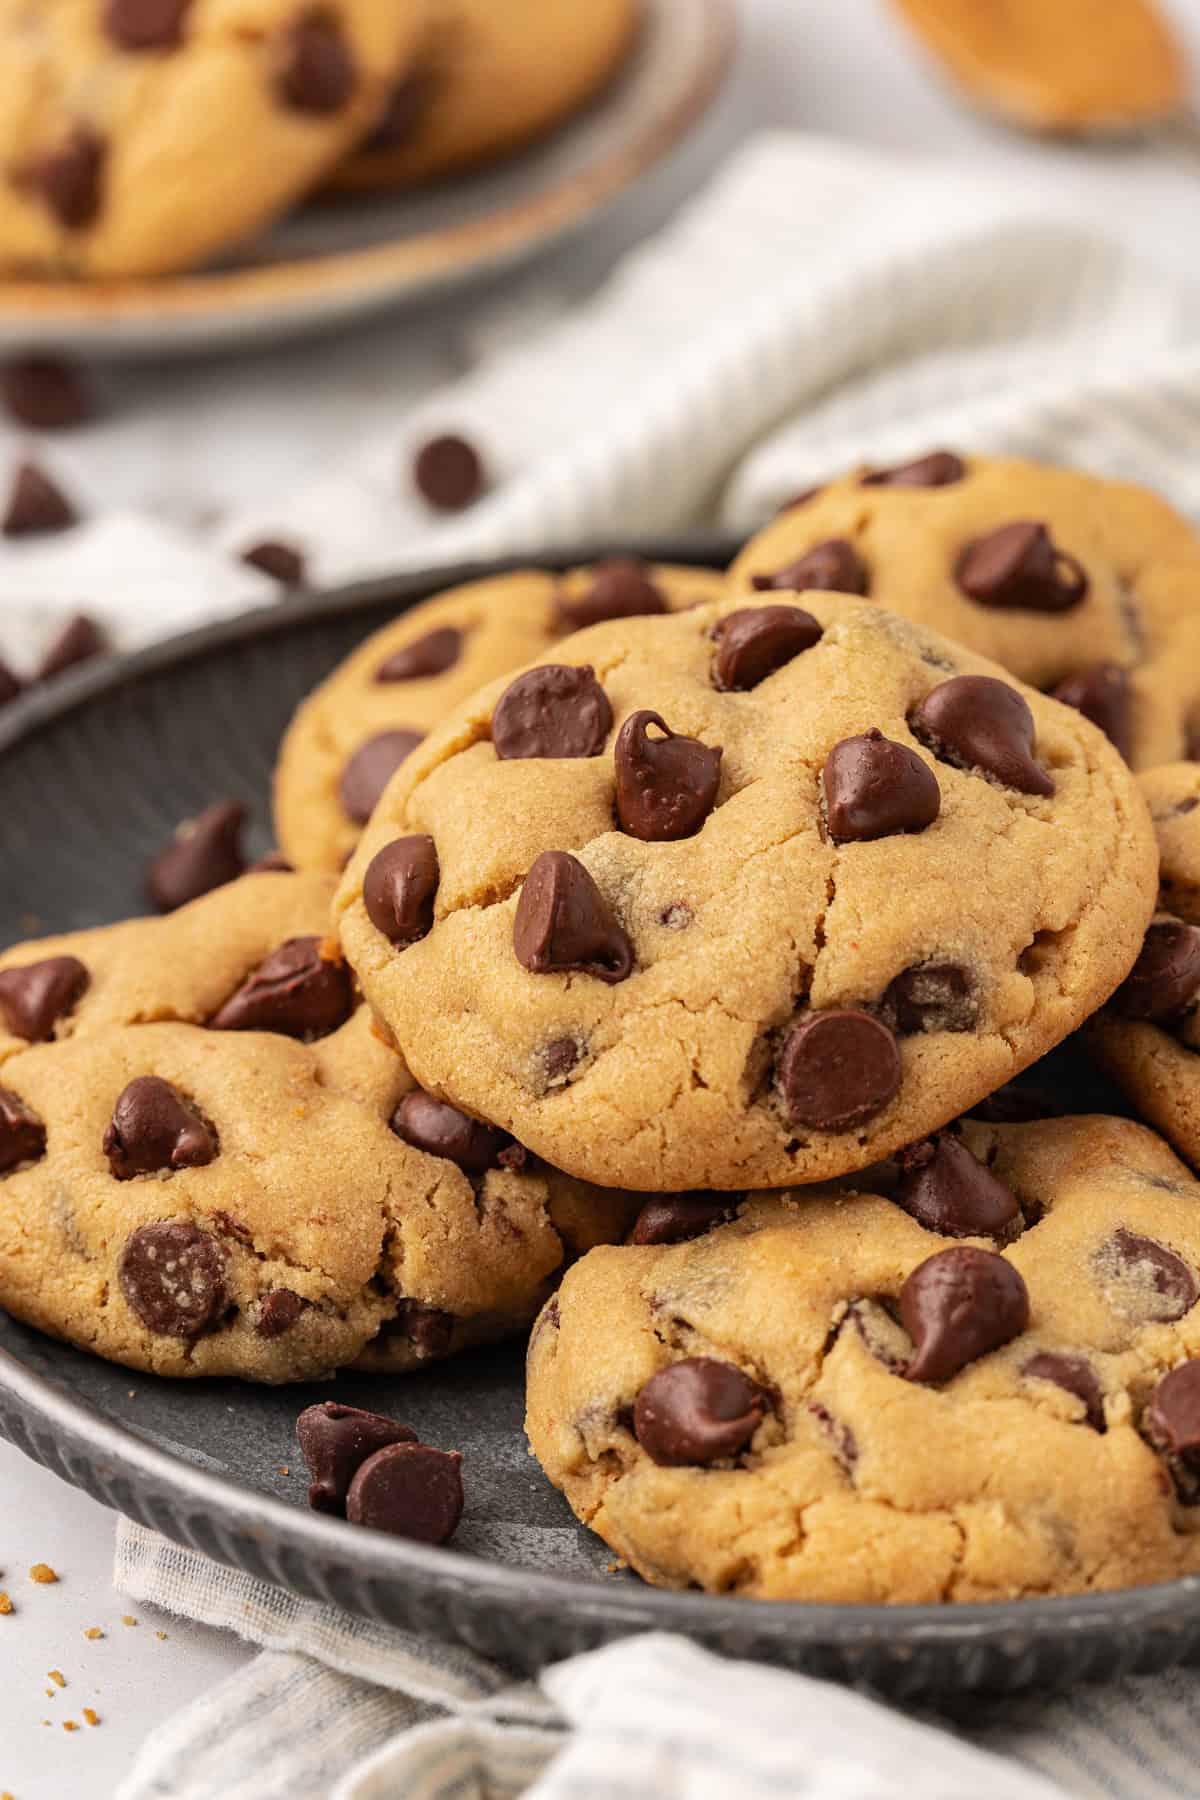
(653, 956)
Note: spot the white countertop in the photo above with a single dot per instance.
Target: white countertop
(826, 65)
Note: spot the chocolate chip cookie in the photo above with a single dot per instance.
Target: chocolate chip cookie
(981, 1384)
(139, 137)
(1082, 587)
(746, 896)
(351, 735)
(211, 1163)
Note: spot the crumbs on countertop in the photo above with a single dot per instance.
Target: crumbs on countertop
(6, 1605)
(128, 1619)
(91, 1715)
(93, 1632)
(43, 1574)
(57, 1677)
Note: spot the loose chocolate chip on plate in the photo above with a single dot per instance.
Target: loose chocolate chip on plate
(1144, 1280)
(1172, 1420)
(619, 589)
(295, 991)
(172, 1275)
(204, 854)
(399, 888)
(677, 1218)
(70, 179)
(432, 654)
(940, 468)
(36, 505)
(876, 788)
(441, 1130)
(334, 1441)
(145, 24)
(930, 997)
(315, 70)
(552, 711)
(1020, 565)
(697, 1411)
(282, 562)
(1075, 1375)
(756, 641)
(834, 566)
(35, 996)
(46, 393)
(666, 786)
(949, 1191)
(362, 781)
(449, 473)
(565, 924)
(153, 1129)
(78, 642)
(979, 723)
(1165, 979)
(22, 1134)
(278, 1311)
(958, 1305)
(1103, 695)
(410, 1490)
(838, 1069)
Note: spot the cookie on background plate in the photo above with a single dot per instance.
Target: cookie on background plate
(351, 734)
(982, 1387)
(1082, 587)
(747, 896)
(210, 1163)
(138, 137)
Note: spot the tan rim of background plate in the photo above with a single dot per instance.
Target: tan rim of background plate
(360, 279)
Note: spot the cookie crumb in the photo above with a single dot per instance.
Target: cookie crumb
(42, 1573)
(6, 1605)
(128, 1619)
(161, 1636)
(91, 1715)
(93, 1632)
(285, 1470)
(57, 1677)
(70, 1725)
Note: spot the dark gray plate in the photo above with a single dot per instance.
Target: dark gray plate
(96, 772)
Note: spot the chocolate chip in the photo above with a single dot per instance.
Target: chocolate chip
(399, 888)
(278, 1311)
(145, 24)
(79, 641)
(432, 654)
(22, 1134)
(666, 786)
(1165, 979)
(946, 1189)
(46, 393)
(834, 565)
(441, 1130)
(876, 788)
(1145, 1281)
(205, 853)
(70, 179)
(560, 1058)
(565, 924)
(172, 1275)
(334, 1441)
(756, 641)
(978, 723)
(153, 1129)
(36, 505)
(282, 562)
(1172, 1424)
(1019, 565)
(958, 1305)
(940, 468)
(1075, 1375)
(366, 775)
(552, 711)
(1103, 695)
(315, 70)
(930, 997)
(620, 589)
(294, 991)
(697, 1411)
(838, 1069)
(428, 1329)
(409, 1490)
(10, 685)
(449, 473)
(677, 1218)
(406, 109)
(35, 996)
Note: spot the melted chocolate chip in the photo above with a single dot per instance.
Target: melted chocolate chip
(46, 393)
(978, 723)
(334, 1441)
(78, 642)
(1172, 1424)
(22, 1134)
(441, 1130)
(366, 775)
(36, 505)
(697, 1411)
(838, 1069)
(172, 1275)
(1103, 695)
(1143, 1280)
(315, 70)
(427, 1329)
(949, 1191)
(410, 1491)
(930, 997)
(282, 562)
(758, 640)
(1019, 565)
(153, 1130)
(204, 854)
(1075, 1375)
(552, 711)
(399, 889)
(449, 473)
(145, 24)
(666, 786)
(278, 1311)
(841, 1438)
(564, 923)
(620, 589)
(70, 179)
(940, 468)
(1165, 979)
(958, 1305)
(430, 655)
(559, 1058)
(834, 566)
(294, 991)
(875, 788)
(677, 1218)
(35, 996)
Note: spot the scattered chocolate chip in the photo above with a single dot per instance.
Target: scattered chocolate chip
(282, 562)
(1172, 1424)
(405, 112)
(837, 1069)
(10, 685)
(564, 923)
(70, 179)
(22, 1134)
(399, 888)
(432, 654)
(958, 1305)
(273, 863)
(697, 1411)
(441, 1130)
(1145, 1281)
(978, 723)
(278, 1311)
(552, 711)
(294, 991)
(427, 1329)
(334, 1441)
(315, 70)
(620, 589)
(35, 996)
(666, 786)
(46, 393)
(940, 468)
(834, 566)
(366, 775)
(1103, 695)
(677, 1218)
(947, 1190)
(1019, 565)
(204, 854)
(930, 997)
(875, 788)
(1165, 979)
(79, 641)
(756, 641)
(36, 504)
(145, 24)
(153, 1129)
(449, 473)
(172, 1275)
(409, 1490)
(559, 1058)
(1075, 1375)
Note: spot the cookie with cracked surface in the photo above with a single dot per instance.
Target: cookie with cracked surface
(211, 1163)
(114, 112)
(1082, 587)
(749, 1411)
(746, 896)
(353, 732)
